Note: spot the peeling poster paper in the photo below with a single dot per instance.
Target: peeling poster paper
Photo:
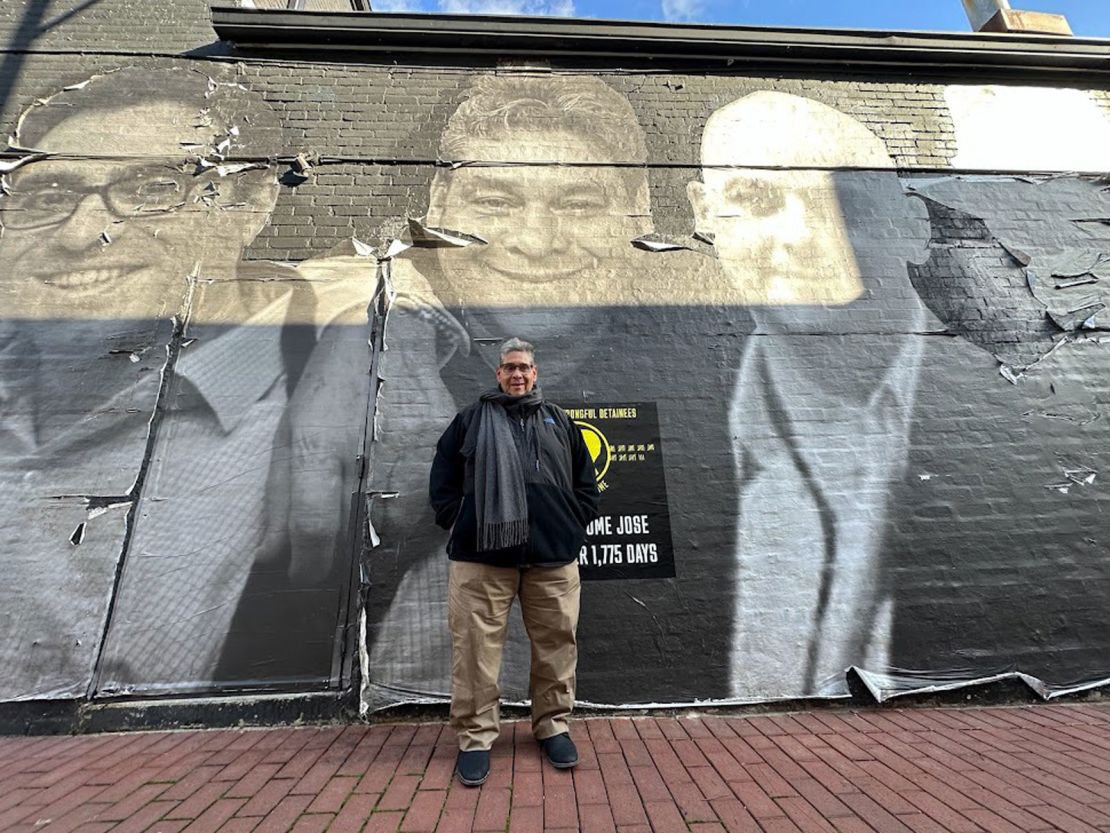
(1082, 264)
(655, 243)
(429, 237)
(396, 247)
(8, 165)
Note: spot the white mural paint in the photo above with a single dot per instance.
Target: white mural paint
(1028, 129)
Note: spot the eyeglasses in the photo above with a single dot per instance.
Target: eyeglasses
(40, 200)
(513, 367)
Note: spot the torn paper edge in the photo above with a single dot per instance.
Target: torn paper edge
(373, 701)
(363, 662)
(657, 243)
(432, 237)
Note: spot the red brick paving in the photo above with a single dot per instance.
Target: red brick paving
(1023, 769)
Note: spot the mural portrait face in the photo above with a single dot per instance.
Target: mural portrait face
(553, 212)
(116, 232)
(780, 235)
(793, 236)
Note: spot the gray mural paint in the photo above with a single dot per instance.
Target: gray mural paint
(1009, 239)
(86, 399)
(70, 446)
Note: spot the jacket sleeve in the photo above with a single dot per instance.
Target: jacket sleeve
(445, 483)
(583, 476)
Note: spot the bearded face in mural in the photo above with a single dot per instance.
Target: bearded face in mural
(779, 234)
(811, 233)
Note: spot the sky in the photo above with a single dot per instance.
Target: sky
(1090, 18)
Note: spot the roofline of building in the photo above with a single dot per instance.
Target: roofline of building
(831, 50)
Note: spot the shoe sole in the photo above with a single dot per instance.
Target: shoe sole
(563, 765)
(472, 783)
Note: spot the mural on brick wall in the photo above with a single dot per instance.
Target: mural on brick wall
(848, 416)
(784, 366)
(147, 373)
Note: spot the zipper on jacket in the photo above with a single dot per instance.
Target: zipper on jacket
(524, 442)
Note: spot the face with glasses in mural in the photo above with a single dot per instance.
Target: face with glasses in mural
(46, 198)
(117, 231)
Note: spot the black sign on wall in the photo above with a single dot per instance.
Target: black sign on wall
(632, 537)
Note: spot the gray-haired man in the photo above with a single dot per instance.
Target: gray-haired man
(514, 482)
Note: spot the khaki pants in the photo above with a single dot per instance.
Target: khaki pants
(479, 600)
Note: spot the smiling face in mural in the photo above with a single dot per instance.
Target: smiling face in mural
(118, 238)
(556, 214)
(791, 237)
(549, 228)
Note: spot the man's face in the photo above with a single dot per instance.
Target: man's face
(552, 230)
(516, 375)
(780, 236)
(117, 239)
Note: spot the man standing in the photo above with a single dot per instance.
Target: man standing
(514, 482)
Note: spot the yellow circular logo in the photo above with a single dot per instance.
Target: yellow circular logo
(598, 447)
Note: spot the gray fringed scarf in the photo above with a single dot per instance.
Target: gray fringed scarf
(495, 445)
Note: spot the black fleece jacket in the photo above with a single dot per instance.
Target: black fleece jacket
(561, 492)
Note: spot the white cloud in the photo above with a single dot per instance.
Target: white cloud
(675, 10)
(551, 8)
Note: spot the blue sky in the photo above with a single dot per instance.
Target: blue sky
(1087, 17)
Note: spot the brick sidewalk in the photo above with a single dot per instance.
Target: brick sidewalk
(999, 770)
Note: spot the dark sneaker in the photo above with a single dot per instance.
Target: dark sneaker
(472, 768)
(561, 751)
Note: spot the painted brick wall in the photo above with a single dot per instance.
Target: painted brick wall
(967, 511)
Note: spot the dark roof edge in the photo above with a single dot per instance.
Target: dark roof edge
(835, 49)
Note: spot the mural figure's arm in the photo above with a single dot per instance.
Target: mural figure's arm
(326, 418)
